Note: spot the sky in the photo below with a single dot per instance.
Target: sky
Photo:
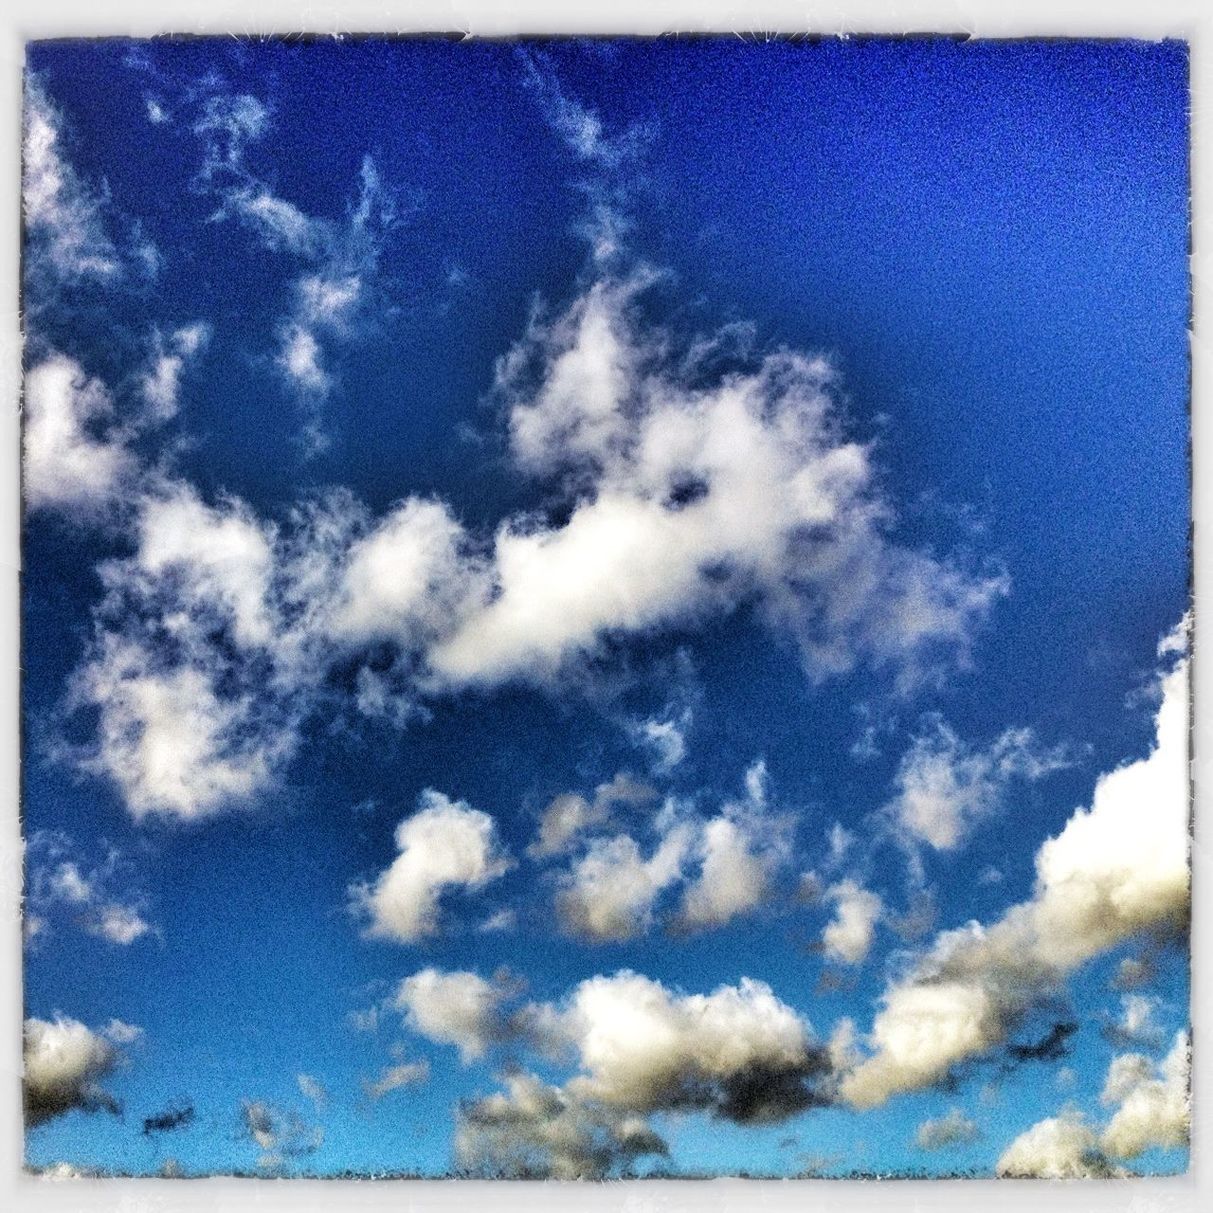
(606, 607)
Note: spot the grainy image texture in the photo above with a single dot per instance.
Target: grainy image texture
(606, 608)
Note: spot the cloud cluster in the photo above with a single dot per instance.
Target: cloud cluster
(1153, 1111)
(58, 882)
(535, 1130)
(279, 1135)
(445, 844)
(65, 1062)
(945, 787)
(1112, 873)
(685, 479)
(612, 888)
(739, 1053)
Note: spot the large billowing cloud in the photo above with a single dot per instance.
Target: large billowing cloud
(641, 1048)
(65, 1063)
(680, 479)
(445, 844)
(693, 498)
(1117, 869)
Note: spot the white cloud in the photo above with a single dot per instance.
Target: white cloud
(75, 458)
(445, 844)
(1112, 873)
(609, 894)
(945, 787)
(535, 1130)
(393, 1078)
(568, 817)
(277, 1134)
(1137, 1024)
(848, 936)
(738, 852)
(667, 740)
(118, 923)
(65, 219)
(65, 1062)
(1063, 1147)
(168, 738)
(1153, 1103)
(691, 500)
(643, 1048)
(57, 882)
(161, 383)
(689, 493)
(458, 1008)
(952, 1129)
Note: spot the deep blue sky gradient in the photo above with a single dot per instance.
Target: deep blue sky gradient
(988, 239)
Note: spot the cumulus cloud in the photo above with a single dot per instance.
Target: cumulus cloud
(458, 1008)
(690, 499)
(161, 382)
(1153, 1103)
(1138, 1024)
(724, 864)
(739, 1053)
(445, 844)
(73, 455)
(686, 479)
(1062, 1147)
(610, 892)
(952, 1129)
(738, 851)
(535, 1130)
(567, 817)
(849, 934)
(65, 1063)
(1113, 872)
(945, 787)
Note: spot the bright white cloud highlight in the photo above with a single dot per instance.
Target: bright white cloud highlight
(445, 844)
(1117, 869)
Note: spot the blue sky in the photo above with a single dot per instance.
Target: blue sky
(764, 467)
